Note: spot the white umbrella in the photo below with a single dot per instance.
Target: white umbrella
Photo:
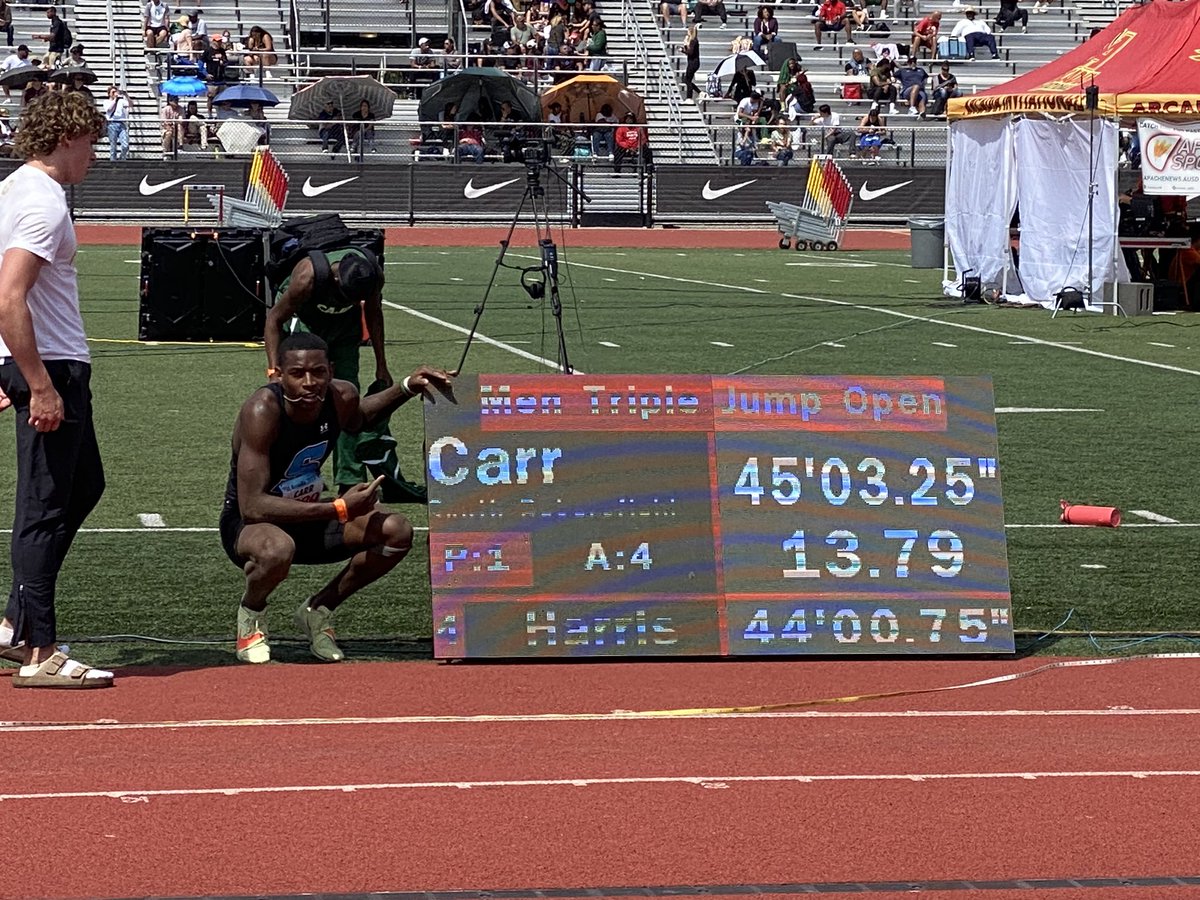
(735, 62)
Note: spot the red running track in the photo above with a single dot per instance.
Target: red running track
(1061, 775)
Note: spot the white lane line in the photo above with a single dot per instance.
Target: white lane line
(616, 716)
(1153, 516)
(1093, 566)
(1159, 344)
(483, 338)
(409, 263)
(834, 344)
(1044, 409)
(943, 344)
(895, 313)
(608, 344)
(720, 344)
(694, 780)
(152, 520)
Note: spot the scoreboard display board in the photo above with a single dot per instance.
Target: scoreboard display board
(639, 515)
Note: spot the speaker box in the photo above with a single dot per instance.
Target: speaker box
(779, 52)
(202, 285)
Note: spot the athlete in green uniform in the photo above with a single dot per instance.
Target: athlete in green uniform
(333, 308)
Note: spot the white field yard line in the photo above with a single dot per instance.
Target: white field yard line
(701, 781)
(891, 312)
(566, 718)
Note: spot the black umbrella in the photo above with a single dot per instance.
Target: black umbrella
(346, 93)
(18, 78)
(478, 92)
(67, 74)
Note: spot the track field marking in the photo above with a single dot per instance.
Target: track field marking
(895, 313)
(608, 344)
(1093, 566)
(502, 345)
(1159, 344)
(152, 520)
(695, 780)
(720, 344)
(833, 344)
(943, 344)
(1153, 516)
(1043, 409)
(616, 716)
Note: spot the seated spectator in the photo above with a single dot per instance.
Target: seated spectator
(602, 133)
(58, 35)
(329, 129)
(500, 14)
(7, 135)
(746, 150)
(872, 132)
(194, 128)
(831, 16)
(787, 76)
(172, 131)
(857, 63)
(470, 142)
(859, 17)
(781, 141)
(362, 129)
(155, 23)
(198, 27)
(33, 90)
(925, 34)
(6, 26)
(912, 80)
(630, 140)
(743, 84)
(181, 43)
(711, 8)
(260, 49)
(832, 134)
(597, 44)
(882, 88)
(76, 59)
(945, 86)
(421, 57)
(521, 32)
(801, 97)
(975, 32)
(258, 118)
(1009, 14)
(567, 65)
(747, 110)
(883, 5)
(766, 27)
(18, 60)
(667, 8)
(77, 86)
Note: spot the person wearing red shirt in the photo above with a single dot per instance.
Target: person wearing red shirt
(630, 141)
(925, 33)
(831, 16)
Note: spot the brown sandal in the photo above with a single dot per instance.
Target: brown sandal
(49, 674)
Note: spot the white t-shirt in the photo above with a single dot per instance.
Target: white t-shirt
(156, 14)
(116, 110)
(34, 217)
(968, 26)
(15, 62)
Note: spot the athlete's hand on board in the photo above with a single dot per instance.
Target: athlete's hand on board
(426, 379)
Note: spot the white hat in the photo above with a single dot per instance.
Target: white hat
(422, 42)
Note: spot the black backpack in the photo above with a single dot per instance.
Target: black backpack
(311, 237)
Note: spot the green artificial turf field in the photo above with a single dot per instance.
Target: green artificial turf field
(165, 412)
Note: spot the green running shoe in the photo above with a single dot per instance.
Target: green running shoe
(317, 625)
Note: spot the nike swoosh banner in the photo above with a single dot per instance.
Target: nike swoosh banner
(116, 186)
(680, 191)
(380, 192)
(438, 188)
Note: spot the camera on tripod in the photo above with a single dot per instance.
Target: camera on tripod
(536, 153)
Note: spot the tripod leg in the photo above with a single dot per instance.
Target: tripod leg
(541, 217)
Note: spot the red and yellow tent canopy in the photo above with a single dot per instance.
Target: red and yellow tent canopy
(1146, 63)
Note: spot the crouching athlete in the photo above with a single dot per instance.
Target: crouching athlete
(274, 514)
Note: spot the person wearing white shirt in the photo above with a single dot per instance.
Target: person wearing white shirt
(154, 22)
(18, 60)
(974, 32)
(832, 133)
(116, 113)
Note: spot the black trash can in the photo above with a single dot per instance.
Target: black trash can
(928, 237)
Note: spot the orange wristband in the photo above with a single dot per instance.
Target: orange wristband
(343, 514)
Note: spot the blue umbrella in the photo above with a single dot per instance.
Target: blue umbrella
(245, 94)
(183, 86)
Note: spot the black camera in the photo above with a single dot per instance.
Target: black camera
(535, 153)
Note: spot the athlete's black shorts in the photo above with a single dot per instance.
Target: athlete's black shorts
(317, 543)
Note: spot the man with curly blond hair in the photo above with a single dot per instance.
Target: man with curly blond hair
(45, 374)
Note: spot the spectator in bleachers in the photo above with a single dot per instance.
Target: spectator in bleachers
(925, 34)
(330, 128)
(470, 142)
(486, 56)
(216, 65)
(537, 15)
(882, 88)
(500, 14)
(556, 36)
(857, 63)
(194, 128)
(831, 134)
(75, 59)
(362, 129)
(781, 141)
(800, 98)
(116, 114)
(711, 8)
(666, 9)
(155, 23)
(597, 44)
(521, 32)
(975, 32)
(198, 27)
(18, 60)
(859, 18)
(7, 135)
(913, 79)
(58, 36)
(872, 129)
(787, 76)
(1042, 6)
(260, 49)
(172, 121)
(743, 84)
(747, 111)
(831, 16)
(258, 118)
(421, 56)
(945, 86)
(567, 65)
(630, 140)
(6, 24)
(1009, 14)
(691, 52)
(181, 42)
(451, 60)
(766, 27)
(747, 147)
(602, 133)
(77, 86)
(33, 90)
